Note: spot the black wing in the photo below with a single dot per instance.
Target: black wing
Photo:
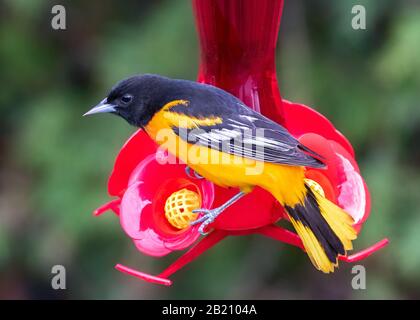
(242, 132)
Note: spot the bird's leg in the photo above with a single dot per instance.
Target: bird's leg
(211, 214)
(196, 175)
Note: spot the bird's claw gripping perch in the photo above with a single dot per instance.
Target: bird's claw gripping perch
(211, 214)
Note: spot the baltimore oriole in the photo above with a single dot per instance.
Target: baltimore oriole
(224, 141)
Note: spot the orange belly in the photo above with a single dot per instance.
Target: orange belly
(286, 183)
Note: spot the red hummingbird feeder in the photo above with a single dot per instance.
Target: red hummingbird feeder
(155, 198)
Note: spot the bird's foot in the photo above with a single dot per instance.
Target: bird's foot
(209, 216)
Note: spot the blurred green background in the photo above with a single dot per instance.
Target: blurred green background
(54, 164)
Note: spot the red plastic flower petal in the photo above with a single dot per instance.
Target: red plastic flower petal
(301, 119)
(341, 180)
(259, 208)
(135, 149)
(143, 183)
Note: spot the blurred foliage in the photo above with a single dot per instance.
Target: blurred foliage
(54, 164)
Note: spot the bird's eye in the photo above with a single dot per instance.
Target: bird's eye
(125, 99)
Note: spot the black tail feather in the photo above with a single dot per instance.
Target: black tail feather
(310, 216)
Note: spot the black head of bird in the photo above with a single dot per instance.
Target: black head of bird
(135, 99)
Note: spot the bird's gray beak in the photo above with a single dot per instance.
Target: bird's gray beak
(102, 107)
